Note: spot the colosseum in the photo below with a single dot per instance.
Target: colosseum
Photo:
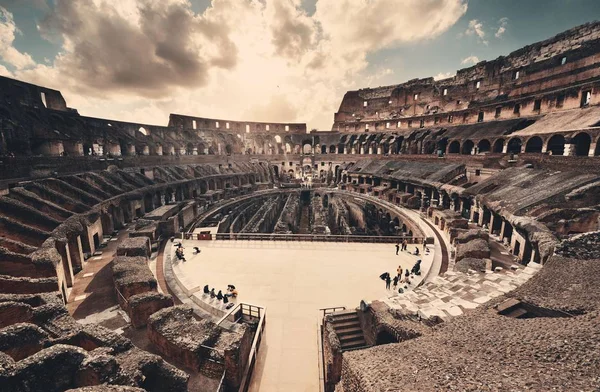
(211, 254)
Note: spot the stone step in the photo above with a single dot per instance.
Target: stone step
(345, 318)
(351, 337)
(345, 324)
(348, 329)
(354, 345)
(507, 305)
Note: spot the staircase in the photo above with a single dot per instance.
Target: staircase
(348, 330)
(512, 308)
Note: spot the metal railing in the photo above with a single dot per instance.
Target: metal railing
(331, 310)
(302, 237)
(252, 311)
(238, 312)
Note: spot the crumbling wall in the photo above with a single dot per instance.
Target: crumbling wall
(289, 220)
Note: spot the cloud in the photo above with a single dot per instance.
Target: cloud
(146, 47)
(502, 27)
(255, 60)
(471, 60)
(8, 53)
(476, 28)
(444, 75)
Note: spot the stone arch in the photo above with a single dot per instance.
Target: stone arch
(498, 145)
(534, 144)
(484, 145)
(514, 145)
(332, 149)
(429, 147)
(288, 148)
(467, 147)
(581, 142)
(556, 145)
(397, 145)
(454, 147)
(323, 149)
(190, 150)
(373, 148)
(307, 147)
(228, 149)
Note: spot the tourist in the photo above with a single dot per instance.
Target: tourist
(212, 293)
(416, 269)
(231, 291)
(219, 295)
(424, 244)
(179, 254)
(397, 248)
(396, 282)
(206, 289)
(406, 276)
(416, 251)
(399, 271)
(404, 245)
(388, 280)
(196, 250)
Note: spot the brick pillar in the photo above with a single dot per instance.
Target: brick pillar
(592, 149)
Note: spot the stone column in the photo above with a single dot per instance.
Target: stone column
(502, 230)
(66, 263)
(592, 149)
(76, 254)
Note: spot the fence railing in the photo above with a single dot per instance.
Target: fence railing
(330, 310)
(237, 313)
(302, 237)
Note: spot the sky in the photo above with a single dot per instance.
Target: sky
(257, 60)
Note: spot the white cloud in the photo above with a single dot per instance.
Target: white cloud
(471, 60)
(139, 60)
(8, 53)
(444, 75)
(476, 28)
(502, 27)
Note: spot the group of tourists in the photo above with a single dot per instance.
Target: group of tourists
(231, 292)
(401, 278)
(404, 246)
(179, 252)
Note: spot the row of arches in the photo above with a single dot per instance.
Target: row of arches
(558, 144)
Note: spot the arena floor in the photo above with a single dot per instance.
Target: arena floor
(293, 280)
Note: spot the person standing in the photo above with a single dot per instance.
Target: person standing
(397, 248)
(399, 272)
(396, 282)
(388, 280)
(404, 245)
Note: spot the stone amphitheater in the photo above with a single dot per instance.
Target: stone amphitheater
(493, 174)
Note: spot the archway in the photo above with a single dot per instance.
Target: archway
(454, 147)
(534, 145)
(467, 147)
(483, 145)
(323, 149)
(498, 146)
(582, 143)
(514, 146)
(332, 149)
(556, 145)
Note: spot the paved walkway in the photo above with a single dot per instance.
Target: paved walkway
(93, 291)
(452, 293)
(292, 280)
